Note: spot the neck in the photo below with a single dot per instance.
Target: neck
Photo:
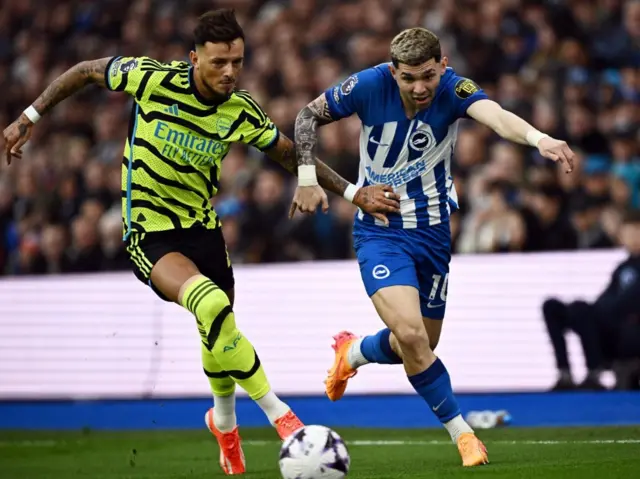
(203, 93)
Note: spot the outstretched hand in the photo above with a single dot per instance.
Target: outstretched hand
(15, 136)
(557, 150)
(307, 199)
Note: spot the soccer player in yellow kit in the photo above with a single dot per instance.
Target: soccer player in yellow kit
(185, 117)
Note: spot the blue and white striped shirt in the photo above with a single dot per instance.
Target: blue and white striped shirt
(412, 155)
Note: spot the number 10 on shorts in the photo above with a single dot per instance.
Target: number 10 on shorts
(437, 279)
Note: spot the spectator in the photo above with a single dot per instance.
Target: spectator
(548, 226)
(609, 327)
(114, 255)
(570, 68)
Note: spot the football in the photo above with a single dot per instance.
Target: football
(314, 452)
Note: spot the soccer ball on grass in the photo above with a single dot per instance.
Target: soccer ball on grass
(314, 452)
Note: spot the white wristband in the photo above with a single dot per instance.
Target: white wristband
(350, 192)
(534, 136)
(32, 114)
(307, 175)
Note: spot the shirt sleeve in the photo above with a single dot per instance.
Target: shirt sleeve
(351, 95)
(465, 93)
(258, 129)
(130, 75)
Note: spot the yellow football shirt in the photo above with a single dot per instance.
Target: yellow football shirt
(176, 143)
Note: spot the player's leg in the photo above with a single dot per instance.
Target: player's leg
(381, 264)
(401, 309)
(158, 265)
(383, 347)
(433, 258)
(166, 272)
(227, 343)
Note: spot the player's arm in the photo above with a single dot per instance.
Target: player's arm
(310, 117)
(370, 199)
(513, 128)
(308, 194)
(284, 152)
(71, 81)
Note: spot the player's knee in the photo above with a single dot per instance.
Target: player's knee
(214, 316)
(551, 308)
(412, 338)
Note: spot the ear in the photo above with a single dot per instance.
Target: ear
(444, 62)
(193, 57)
(393, 70)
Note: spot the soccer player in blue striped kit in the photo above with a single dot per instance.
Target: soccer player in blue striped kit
(409, 109)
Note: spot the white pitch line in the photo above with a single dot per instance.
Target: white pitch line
(36, 443)
(449, 443)
(362, 443)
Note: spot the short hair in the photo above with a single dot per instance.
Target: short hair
(217, 26)
(415, 46)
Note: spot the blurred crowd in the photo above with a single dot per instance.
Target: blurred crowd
(571, 68)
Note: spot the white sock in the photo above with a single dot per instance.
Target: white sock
(224, 412)
(273, 407)
(456, 427)
(354, 356)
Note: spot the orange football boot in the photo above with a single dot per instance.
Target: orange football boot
(232, 459)
(341, 371)
(288, 424)
(472, 451)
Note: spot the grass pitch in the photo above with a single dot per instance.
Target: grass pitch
(376, 454)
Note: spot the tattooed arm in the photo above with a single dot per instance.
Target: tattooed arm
(71, 81)
(284, 151)
(310, 117)
(376, 200)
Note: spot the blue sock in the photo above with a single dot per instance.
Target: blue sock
(434, 385)
(377, 348)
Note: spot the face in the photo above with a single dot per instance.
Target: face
(53, 241)
(218, 65)
(418, 84)
(584, 220)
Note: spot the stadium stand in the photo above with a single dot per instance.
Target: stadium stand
(570, 67)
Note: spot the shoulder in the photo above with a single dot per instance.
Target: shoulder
(244, 100)
(122, 64)
(367, 80)
(243, 96)
(458, 86)
(244, 112)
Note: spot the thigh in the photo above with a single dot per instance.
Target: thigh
(556, 312)
(580, 315)
(383, 264)
(171, 274)
(433, 257)
(158, 263)
(399, 307)
(231, 294)
(208, 251)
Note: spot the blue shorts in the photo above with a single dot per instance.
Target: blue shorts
(406, 257)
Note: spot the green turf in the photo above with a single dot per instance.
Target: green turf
(601, 453)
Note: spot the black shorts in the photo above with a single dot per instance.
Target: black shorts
(205, 247)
